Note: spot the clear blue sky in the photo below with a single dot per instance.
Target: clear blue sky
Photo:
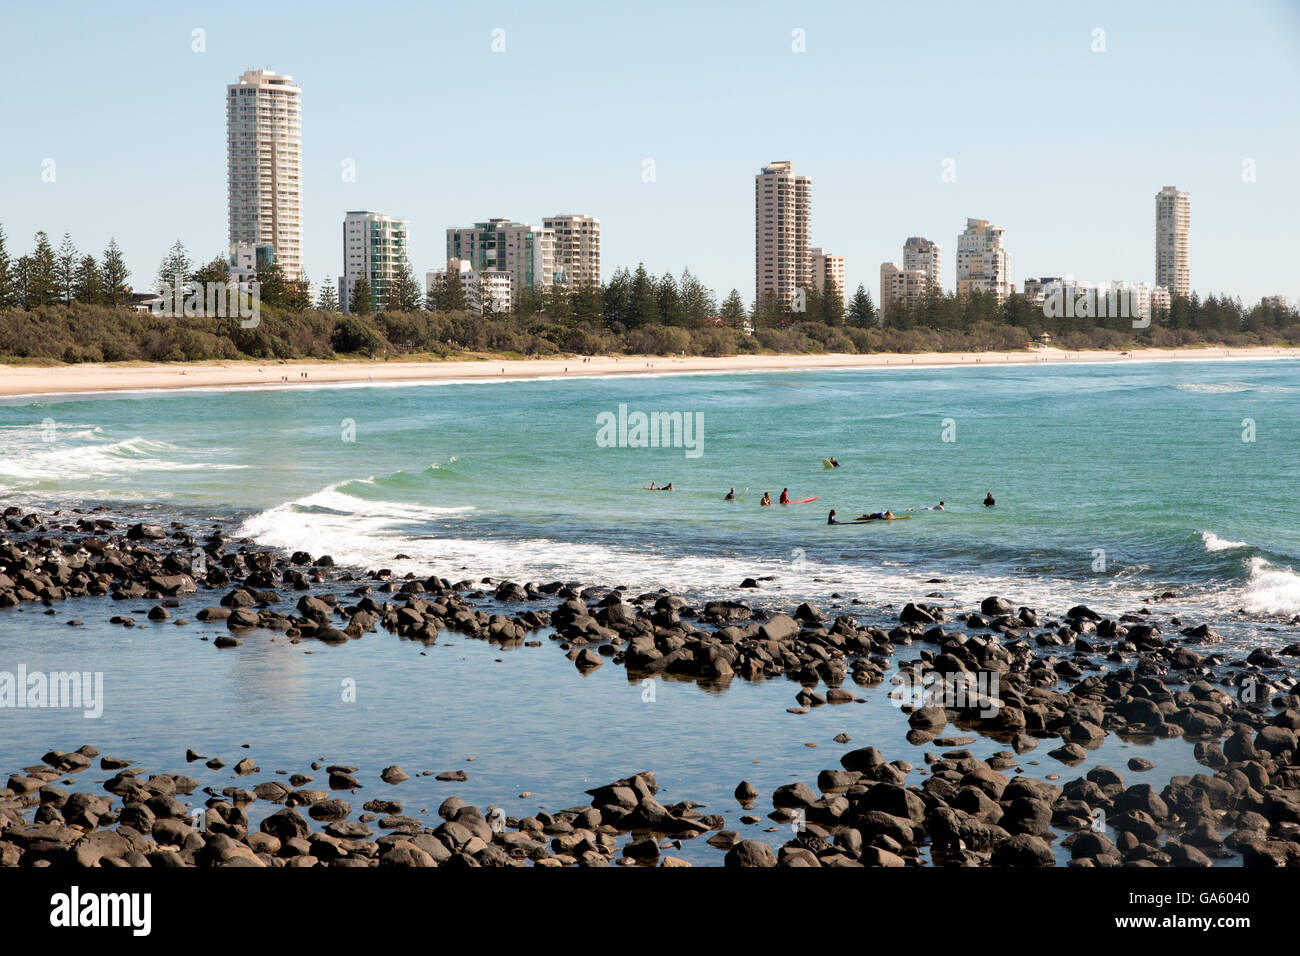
(1062, 146)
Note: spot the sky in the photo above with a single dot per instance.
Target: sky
(1058, 121)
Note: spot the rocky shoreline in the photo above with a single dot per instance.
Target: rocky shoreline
(1066, 682)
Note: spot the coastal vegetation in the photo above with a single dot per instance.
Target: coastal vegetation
(58, 305)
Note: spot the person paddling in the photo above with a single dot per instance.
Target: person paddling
(988, 500)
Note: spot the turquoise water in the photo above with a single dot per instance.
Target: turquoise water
(508, 480)
(1112, 482)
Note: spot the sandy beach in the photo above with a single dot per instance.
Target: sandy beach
(132, 376)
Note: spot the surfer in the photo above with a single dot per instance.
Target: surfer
(767, 499)
(731, 495)
(988, 500)
(830, 518)
(834, 463)
(653, 486)
(785, 496)
(938, 507)
(668, 487)
(878, 516)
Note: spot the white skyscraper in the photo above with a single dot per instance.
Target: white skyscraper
(264, 165)
(920, 254)
(1173, 222)
(577, 250)
(982, 261)
(782, 218)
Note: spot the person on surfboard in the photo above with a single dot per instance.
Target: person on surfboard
(988, 500)
(938, 507)
(834, 463)
(668, 487)
(731, 495)
(831, 519)
(767, 499)
(785, 496)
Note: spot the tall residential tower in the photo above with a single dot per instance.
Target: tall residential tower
(982, 261)
(577, 250)
(264, 165)
(782, 213)
(500, 245)
(1173, 221)
(373, 247)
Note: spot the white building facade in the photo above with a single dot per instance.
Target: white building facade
(374, 245)
(526, 252)
(577, 250)
(264, 165)
(983, 264)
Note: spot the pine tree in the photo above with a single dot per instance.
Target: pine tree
(175, 269)
(403, 290)
(832, 303)
(42, 280)
(297, 294)
(65, 267)
(862, 311)
(214, 271)
(362, 302)
(668, 301)
(272, 286)
(22, 274)
(328, 300)
(453, 292)
(8, 297)
(88, 285)
(644, 307)
(616, 299)
(114, 274)
(733, 309)
(436, 294)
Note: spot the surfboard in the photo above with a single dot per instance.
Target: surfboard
(895, 518)
(803, 501)
(826, 464)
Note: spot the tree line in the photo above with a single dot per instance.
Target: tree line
(58, 304)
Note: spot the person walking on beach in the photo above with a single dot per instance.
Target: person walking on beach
(988, 500)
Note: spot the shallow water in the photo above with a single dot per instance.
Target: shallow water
(507, 479)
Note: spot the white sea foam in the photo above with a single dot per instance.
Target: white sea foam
(1226, 388)
(26, 457)
(1214, 543)
(371, 533)
(1271, 589)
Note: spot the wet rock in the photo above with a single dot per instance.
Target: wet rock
(750, 853)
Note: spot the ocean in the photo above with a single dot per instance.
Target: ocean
(1114, 484)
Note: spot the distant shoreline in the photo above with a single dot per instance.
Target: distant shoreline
(32, 381)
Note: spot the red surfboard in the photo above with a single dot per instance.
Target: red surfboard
(804, 501)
